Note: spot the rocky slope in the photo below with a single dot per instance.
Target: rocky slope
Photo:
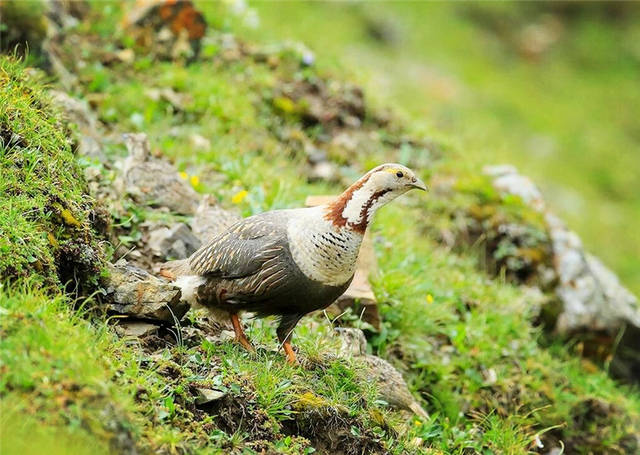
(103, 353)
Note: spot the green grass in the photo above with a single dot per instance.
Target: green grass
(58, 369)
(466, 343)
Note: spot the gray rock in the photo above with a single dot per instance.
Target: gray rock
(592, 296)
(75, 110)
(208, 395)
(153, 181)
(324, 170)
(352, 341)
(134, 292)
(210, 219)
(507, 180)
(199, 142)
(176, 242)
(392, 387)
(592, 299)
(178, 100)
(90, 147)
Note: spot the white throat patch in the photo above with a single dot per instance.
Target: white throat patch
(321, 251)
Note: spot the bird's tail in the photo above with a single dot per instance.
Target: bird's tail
(174, 269)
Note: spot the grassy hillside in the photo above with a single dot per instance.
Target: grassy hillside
(467, 344)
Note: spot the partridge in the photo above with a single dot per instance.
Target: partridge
(288, 263)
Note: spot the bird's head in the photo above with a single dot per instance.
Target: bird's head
(355, 207)
(394, 178)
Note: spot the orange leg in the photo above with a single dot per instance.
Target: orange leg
(240, 336)
(291, 356)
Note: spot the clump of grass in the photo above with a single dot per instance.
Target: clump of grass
(57, 368)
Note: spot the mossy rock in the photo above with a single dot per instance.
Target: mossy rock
(45, 227)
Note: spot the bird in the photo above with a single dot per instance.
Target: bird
(290, 262)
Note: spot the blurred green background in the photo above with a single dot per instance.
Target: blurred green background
(553, 88)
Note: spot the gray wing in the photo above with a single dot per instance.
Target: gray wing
(254, 244)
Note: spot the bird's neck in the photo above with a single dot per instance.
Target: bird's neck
(355, 208)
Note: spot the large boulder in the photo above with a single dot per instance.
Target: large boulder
(592, 303)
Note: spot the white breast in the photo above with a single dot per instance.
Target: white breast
(320, 250)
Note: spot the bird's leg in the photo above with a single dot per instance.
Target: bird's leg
(240, 336)
(285, 328)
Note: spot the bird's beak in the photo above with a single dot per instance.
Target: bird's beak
(419, 184)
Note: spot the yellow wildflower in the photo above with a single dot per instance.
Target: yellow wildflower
(195, 180)
(239, 196)
(417, 423)
(183, 175)
(429, 298)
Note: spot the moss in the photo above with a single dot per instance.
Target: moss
(509, 237)
(45, 230)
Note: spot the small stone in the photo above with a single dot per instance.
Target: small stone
(392, 387)
(75, 110)
(210, 219)
(352, 341)
(490, 376)
(222, 337)
(153, 181)
(317, 156)
(136, 328)
(177, 242)
(178, 100)
(506, 179)
(199, 142)
(88, 146)
(208, 395)
(324, 170)
(126, 55)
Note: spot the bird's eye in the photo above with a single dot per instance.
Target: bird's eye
(399, 174)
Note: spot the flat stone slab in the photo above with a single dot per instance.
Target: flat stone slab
(136, 328)
(134, 292)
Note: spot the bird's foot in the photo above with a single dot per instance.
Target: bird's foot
(291, 355)
(244, 341)
(240, 336)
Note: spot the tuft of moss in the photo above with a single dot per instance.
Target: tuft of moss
(45, 230)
